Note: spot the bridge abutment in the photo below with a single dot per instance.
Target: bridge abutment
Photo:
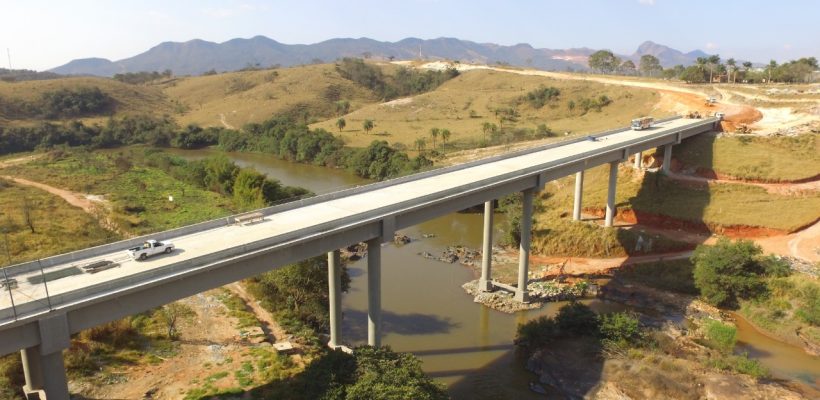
(334, 282)
(485, 283)
(43, 366)
(579, 193)
(521, 293)
(610, 196)
(374, 295)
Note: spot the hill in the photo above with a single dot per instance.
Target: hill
(234, 99)
(127, 99)
(666, 55)
(464, 104)
(197, 56)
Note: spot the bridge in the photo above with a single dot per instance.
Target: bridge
(43, 302)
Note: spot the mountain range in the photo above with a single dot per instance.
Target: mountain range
(197, 56)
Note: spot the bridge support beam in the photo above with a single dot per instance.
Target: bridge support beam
(374, 295)
(43, 366)
(638, 160)
(485, 283)
(579, 193)
(666, 167)
(334, 283)
(610, 195)
(521, 293)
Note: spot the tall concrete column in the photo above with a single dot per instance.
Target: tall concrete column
(334, 283)
(524, 248)
(638, 160)
(44, 372)
(666, 167)
(485, 283)
(374, 295)
(610, 196)
(579, 193)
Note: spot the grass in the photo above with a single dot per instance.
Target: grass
(53, 219)
(130, 99)
(715, 205)
(254, 96)
(674, 275)
(138, 195)
(720, 336)
(237, 309)
(772, 159)
(466, 102)
(793, 305)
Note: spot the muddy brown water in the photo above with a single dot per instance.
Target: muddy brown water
(425, 311)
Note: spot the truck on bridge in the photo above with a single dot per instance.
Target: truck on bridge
(150, 248)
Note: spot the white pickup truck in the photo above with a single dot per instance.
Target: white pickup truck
(150, 248)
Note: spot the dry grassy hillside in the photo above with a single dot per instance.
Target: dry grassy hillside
(465, 103)
(130, 99)
(234, 99)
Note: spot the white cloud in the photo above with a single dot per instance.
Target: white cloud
(711, 46)
(647, 2)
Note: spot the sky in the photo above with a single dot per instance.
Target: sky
(41, 34)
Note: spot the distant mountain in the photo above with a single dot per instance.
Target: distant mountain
(668, 56)
(197, 56)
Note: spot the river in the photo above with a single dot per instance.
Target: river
(425, 311)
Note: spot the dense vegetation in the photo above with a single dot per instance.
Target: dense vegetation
(19, 75)
(539, 97)
(280, 136)
(729, 272)
(135, 78)
(62, 103)
(404, 82)
(576, 319)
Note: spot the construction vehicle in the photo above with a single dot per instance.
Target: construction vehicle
(642, 123)
(711, 101)
(720, 116)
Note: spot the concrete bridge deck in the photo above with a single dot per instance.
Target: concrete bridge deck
(218, 252)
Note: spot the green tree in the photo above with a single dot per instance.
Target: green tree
(604, 61)
(171, 314)
(341, 123)
(771, 68)
(649, 65)
(627, 67)
(368, 125)
(486, 127)
(247, 189)
(727, 272)
(434, 134)
(420, 144)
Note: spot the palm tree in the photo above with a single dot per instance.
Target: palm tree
(341, 123)
(368, 125)
(445, 136)
(434, 133)
(731, 63)
(420, 145)
(486, 128)
(712, 62)
(747, 65)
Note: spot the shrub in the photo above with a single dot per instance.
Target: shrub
(577, 319)
(620, 329)
(727, 272)
(720, 336)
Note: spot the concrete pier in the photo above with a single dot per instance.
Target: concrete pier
(579, 193)
(610, 195)
(374, 294)
(485, 283)
(524, 248)
(334, 283)
(638, 160)
(666, 167)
